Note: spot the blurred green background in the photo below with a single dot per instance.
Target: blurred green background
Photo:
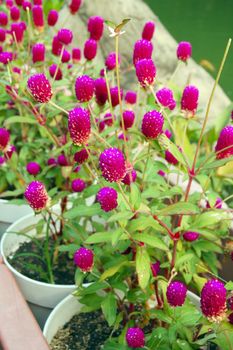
(207, 25)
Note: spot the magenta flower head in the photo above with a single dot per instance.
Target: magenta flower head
(84, 88)
(213, 300)
(38, 53)
(101, 92)
(146, 72)
(148, 30)
(15, 13)
(52, 162)
(168, 133)
(95, 27)
(9, 3)
(38, 17)
(84, 259)
(79, 125)
(37, 196)
(184, 51)
(115, 96)
(74, 6)
(38, 2)
(76, 55)
(40, 88)
(135, 337)
(17, 32)
(155, 267)
(3, 19)
(81, 156)
(107, 197)
(189, 99)
(112, 164)
(62, 160)
(128, 118)
(2, 161)
(90, 49)
(142, 49)
(65, 36)
(110, 61)
(224, 146)
(65, 56)
(56, 46)
(78, 185)
(108, 119)
(176, 293)
(52, 18)
(152, 124)
(11, 149)
(54, 69)
(2, 35)
(27, 5)
(4, 138)
(190, 236)
(33, 168)
(161, 173)
(130, 177)
(165, 98)
(131, 97)
(170, 158)
(6, 57)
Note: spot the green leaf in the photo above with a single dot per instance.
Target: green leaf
(207, 219)
(126, 215)
(103, 237)
(143, 267)
(217, 163)
(160, 314)
(109, 308)
(112, 270)
(165, 143)
(83, 210)
(25, 120)
(183, 259)
(135, 196)
(178, 208)
(142, 223)
(153, 241)
(116, 235)
(229, 285)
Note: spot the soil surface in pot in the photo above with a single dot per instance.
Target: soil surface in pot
(29, 259)
(85, 331)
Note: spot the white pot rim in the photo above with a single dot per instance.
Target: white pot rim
(17, 273)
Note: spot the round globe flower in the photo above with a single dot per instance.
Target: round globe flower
(152, 124)
(110, 61)
(176, 293)
(84, 88)
(135, 337)
(128, 118)
(2, 35)
(142, 49)
(130, 177)
(76, 55)
(74, 6)
(224, 146)
(165, 98)
(56, 46)
(84, 259)
(65, 36)
(189, 100)
(190, 236)
(78, 185)
(81, 156)
(33, 168)
(3, 19)
(38, 16)
(107, 197)
(146, 72)
(170, 158)
(155, 267)
(112, 164)
(90, 49)
(38, 53)
(52, 162)
(6, 57)
(131, 97)
(36, 195)
(95, 27)
(213, 300)
(108, 119)
(4, 138)
(40, 88)
(148, 30)
(65, 56)
(101, 92)
(115, 95)
(184, 51)
(17, 32)
(52, 18)
(15, 13)
(79, 125)
(54, 69)
(62, 160)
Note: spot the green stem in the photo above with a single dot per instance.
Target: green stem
(47, 256)
(125, 198)
(146, 164)
(58, 107)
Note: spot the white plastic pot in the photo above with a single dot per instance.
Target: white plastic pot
(11, 212)
(39, 293)
(70, 307)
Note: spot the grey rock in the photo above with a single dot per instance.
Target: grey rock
(164, 53)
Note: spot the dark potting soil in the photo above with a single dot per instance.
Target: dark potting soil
(85, 331)
(34, 267)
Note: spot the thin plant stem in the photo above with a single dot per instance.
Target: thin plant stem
(47, 256)
(58, 65)
(125, 198)
(58, 107)
(93, 117)
(146, 163)
(175, 71)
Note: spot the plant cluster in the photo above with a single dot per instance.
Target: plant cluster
(121, 167)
